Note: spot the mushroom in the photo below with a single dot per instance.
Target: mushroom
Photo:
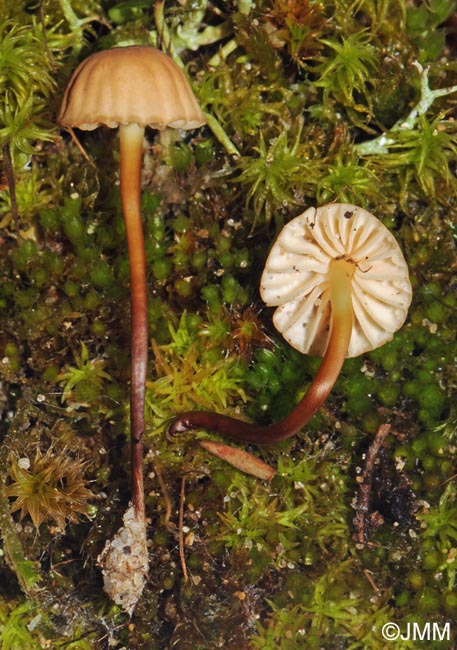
(341, 288)
(132, 87)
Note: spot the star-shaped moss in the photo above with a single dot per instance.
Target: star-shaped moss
(50, 487)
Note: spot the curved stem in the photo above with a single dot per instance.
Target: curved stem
(340, 277)
(131, 143)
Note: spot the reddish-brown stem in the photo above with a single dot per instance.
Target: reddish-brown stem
(340, 276)
(131, 143)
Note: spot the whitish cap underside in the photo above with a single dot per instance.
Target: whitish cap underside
(296, 281)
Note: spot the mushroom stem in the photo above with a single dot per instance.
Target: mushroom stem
(131, 146)
(340, 276)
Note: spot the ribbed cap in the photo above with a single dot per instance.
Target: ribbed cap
(296, 278)
(130, 84)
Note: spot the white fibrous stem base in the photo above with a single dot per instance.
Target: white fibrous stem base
(124, 562)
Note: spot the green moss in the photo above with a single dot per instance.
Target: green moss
(424, 27)
(347, 68)
(27, 82)
(308, 103)
(273, 177)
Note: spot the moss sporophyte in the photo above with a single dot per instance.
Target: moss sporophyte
(131, 87)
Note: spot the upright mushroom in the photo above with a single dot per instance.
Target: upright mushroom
(132, 87)
(340, 285)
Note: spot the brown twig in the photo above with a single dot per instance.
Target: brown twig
(370, 579)
(81, 149)
(165, 493)
(365, 484)
(182, 557)
(240, 459)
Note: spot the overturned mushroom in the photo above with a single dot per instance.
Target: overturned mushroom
(132, 87)
(340, 285)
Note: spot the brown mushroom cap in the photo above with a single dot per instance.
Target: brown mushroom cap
(130, 84)
(296, 278)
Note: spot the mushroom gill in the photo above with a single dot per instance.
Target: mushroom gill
(340, 285)
(298, 276)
